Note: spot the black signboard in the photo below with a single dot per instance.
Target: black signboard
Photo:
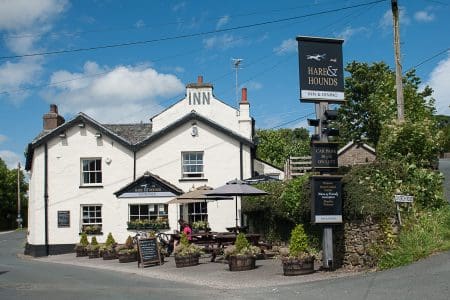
(321, 69)
(63, 218)
(148, 252)
(326, 205)
(324, 156)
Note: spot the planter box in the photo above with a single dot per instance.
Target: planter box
(293, 267)
(186, 261)
(93, 253)
(81, 251)
(109, 255)
(241, 262)
(129, 257)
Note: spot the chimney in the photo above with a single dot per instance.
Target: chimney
(200, 79)
(52, 119)
(244, 96)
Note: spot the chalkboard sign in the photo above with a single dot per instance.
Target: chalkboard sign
(63, 218)
(148, 252)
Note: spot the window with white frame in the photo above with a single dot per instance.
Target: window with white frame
(91, 171)
(197, 211)
(192, 164)
(91, 218)
(148, 211)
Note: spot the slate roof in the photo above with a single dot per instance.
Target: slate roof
(134, 133)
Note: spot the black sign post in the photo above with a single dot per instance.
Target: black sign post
(326, 199)
(324, 156)
(148, 252)
(321, 69)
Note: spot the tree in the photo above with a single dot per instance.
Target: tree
(371, 101)
(275, 146)
(8, 196)
(444, 124)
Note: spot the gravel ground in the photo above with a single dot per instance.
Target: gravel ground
(210, 274)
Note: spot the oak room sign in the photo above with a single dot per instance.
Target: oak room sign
(321, 69)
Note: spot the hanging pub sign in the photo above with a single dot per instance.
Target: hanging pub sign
(326, 199)
(324, 156)
(321, 69)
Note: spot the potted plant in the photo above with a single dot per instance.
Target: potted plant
(128, 252)
(300, 259)
(241, 256)
(93, 248)
(108, 250)
(199, 226)
(80, 248)
(186, 254)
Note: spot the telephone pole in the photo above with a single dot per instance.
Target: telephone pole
(398, 65)
(19, 218)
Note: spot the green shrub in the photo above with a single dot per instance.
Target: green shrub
(241, 242)
(94, 241)
(84, 240)
(110, 240)
(422, 234)
(129, 243)
(299, 241)
(185, 248)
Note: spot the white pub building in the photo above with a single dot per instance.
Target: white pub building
(101, 178)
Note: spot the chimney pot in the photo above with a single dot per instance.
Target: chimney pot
(244, 95)
(54, 108)
(200, 79)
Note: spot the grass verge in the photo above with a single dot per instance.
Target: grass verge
(422, 234)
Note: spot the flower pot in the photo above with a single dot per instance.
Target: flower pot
(293, 267)
(241, 262)
(127, 257)
(186, 260)
(93, 253)
(109, 255)
(81, 251)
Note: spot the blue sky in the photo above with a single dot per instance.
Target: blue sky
(190, 38)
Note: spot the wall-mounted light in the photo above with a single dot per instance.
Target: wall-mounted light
(62, 135)
(194, 130)
(81, 125)
(98, 135)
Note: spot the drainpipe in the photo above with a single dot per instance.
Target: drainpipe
(46, 198)
(241, 161)
(134, 165)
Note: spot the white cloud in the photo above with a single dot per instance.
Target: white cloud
(286, 47)
(23, 14)
(3, 138)
(254, 85)
(224, 41)
(179, 6)
(424, 16)
(348, 32)
(222, 21)
(16, 75)
(386, 20)
(139, 24)
(11, 158)
(438, 80)
(120, 94)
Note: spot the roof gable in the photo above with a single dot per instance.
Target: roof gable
(148, 185)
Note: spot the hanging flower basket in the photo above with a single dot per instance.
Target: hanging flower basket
(296, 266)
(182, 261)
(241, 262)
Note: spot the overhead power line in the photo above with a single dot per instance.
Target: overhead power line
(189, 35)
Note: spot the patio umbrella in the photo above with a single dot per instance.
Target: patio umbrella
(197, 195)
(236, 188)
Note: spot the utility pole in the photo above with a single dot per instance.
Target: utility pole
(19, 218)
(398, 65)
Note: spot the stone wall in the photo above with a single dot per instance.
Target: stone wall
(356, 241)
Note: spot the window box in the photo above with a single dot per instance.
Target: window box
(157, 224)
(92, 229)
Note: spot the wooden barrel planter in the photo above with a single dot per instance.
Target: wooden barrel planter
(81, 251)
(109, 255)
(186, 260)
(127, 257)
(93, 253)
(241, 262)
(293, 267)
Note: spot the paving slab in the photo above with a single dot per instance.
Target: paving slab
(268, 272)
